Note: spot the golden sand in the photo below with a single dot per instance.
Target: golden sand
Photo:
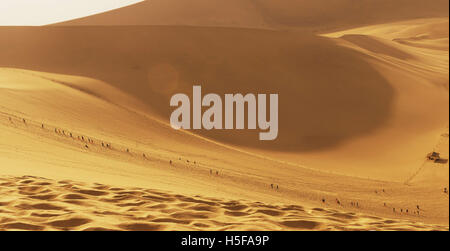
(86, 144)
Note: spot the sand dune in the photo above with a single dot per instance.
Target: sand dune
(309, 14)
(34, 203)
(346, 82)
(153, 63)
(87, 108)
(64, 142)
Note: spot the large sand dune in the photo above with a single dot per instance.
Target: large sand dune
(359, 110)
(340, 96)
(310, 14)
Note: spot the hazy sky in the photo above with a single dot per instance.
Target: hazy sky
(41, 12)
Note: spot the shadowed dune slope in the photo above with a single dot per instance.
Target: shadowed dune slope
(311, 14)
(341, 96)
(328, 93)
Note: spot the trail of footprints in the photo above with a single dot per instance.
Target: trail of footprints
(266, 217)
(95, 144)
(33, 203)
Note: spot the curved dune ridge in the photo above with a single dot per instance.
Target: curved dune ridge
(310, 14)
(153, 63)
(33, 203)
(123, 154)
(341, 94)
(362, 103)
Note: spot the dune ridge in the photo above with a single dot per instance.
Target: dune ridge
(318, 15)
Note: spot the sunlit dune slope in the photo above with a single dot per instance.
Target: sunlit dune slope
(311, 14)
(430, 33)
(364, 99)
(52, 127)
(340, 99)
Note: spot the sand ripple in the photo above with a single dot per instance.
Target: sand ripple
(32, 203)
